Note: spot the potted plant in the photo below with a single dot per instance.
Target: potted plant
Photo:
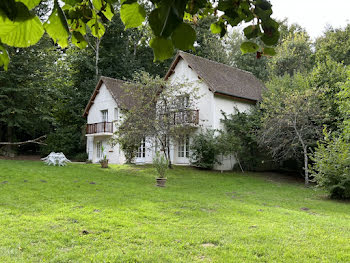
(104, 160)
(161, 165)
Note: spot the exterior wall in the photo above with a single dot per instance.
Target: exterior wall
(208, 104)
(103, 101)
(205, 103)
(228, 106)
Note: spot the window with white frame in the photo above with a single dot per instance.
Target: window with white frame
(141, 151)
(183, 101)
(99, 150)
(104, 114)
(184, 147)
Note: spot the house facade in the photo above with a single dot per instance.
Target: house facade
(221, 88)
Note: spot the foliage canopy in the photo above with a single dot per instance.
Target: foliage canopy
(170, 22)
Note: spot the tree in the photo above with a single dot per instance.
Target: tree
(160, 113)
(27, 93)
(166, 19)
(326, 78)
(248, 61)
(205, 149)
(332, 154)
(123, 52)
(335, 43)
(240, 137)
(75, 82)
(292, 120)
(343, 97)
(209, 45)
(294, 54)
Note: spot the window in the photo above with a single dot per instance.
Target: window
(183, 147)
(141, 151)
(104, 114)
(99, 149)
(116, 114)
(183, 101)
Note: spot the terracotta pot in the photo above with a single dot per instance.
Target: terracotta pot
(104, 163)
(161, 182)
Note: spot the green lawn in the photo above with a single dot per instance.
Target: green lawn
(82, 213)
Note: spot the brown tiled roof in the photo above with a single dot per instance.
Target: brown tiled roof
(221, 78)
(114, 86)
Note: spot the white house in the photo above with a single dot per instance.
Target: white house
(222, 89)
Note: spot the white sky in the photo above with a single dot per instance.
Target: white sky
(313, 15)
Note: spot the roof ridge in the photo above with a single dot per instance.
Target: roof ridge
(102, 77)
(186, 53)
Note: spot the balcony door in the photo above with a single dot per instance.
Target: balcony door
(104, 114)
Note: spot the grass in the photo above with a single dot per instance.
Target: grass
(82, 213)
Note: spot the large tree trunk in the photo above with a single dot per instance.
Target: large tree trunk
(304, 146)
(97, 51)
(169, 160)
(306, 164)
(9, 147)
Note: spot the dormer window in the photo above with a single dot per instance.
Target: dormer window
(104, 114)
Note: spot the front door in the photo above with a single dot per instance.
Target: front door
(141, 152)
(183, 150)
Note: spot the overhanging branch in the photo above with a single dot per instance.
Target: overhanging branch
(36, 141)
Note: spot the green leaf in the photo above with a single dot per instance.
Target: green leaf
(183, 37)
(215, 28)
(167, 17)
(108, 12)
(72, 2)
(132, 15)
(4, 57)
(25, 31)
(79, 40)
(218, 28)
(162, 48)
(249, 47)
(56, 26)
(270, 39)
(269, 51)
(251, 31)
(104, 7)
(97, 28)
(30, 3)
(77, 25)
(9, 7)
(97, 4)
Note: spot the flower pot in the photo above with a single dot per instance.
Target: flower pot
(161, 182)
(104, 163)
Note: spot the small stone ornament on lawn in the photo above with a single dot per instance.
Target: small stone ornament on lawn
(56, 159)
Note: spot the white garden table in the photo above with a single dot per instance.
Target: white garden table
(56, 159)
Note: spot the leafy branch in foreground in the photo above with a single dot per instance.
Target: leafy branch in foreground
(170, 22)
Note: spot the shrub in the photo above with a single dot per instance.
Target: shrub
(81, 157)
(204, 150)
(331, 169)
(240, 137)
(65, 140)
(161, 164)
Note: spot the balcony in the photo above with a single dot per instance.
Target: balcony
(185, 117)
(103, 128)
